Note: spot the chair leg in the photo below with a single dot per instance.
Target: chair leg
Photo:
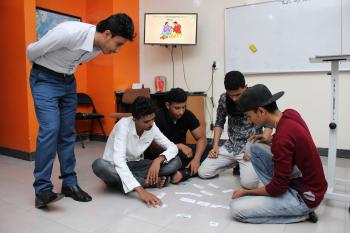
(79, 137)
(91, 129)
(81, 142)
(103, 130)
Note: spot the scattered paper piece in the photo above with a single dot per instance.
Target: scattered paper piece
(220, 206)
(184, 215)
(227, 191)
(207, 193)
(188, 200)
(161, 195)
(213, 185)
(225, 207)
(163, 206)
(213, 224)
(198, 186)
(203, 203)
(189, 193)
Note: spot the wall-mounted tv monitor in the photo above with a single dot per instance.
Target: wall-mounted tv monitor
(170, 29)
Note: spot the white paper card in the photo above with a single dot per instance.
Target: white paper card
(207, 193)
(227, 191)
(189, 193)
(188, 200)
(203, 203)
(184, 215)
(213, 224)
(198, 186)
(213, 185)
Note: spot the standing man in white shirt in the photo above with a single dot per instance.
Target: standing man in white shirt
(123, 164)
(55, 58)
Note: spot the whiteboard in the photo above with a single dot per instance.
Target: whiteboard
(285, 36)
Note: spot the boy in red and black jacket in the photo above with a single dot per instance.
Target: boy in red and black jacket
(292, 173)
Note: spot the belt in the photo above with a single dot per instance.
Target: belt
(47, 70)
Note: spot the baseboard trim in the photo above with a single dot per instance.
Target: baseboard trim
(341, 153)
(29, 156)
(98, 137)
(93, 137)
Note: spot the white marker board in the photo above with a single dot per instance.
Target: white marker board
(286, 35)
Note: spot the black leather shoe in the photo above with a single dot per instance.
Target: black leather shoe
(76, 193)
(42, 199)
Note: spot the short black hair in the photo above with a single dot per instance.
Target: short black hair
(142, 106)
(271, 108)
(234, 80)
(176, 95)
(119, 24)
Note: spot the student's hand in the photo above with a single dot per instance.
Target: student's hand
(150, 199)
(259, 138)
(186, 150)
(239, 193)
(213, 153)
(245, 156)
(152, 175)
(194, 165)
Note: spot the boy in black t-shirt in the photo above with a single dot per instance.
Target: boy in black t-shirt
(174, 120)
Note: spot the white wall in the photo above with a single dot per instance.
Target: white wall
(308, 93)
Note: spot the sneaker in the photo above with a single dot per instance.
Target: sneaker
(313, 217)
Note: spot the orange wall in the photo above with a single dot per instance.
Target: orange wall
(99, 77)
(14, 125)
(108, 73)
(128, 65)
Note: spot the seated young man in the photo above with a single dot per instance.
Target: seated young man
(174, 121)
(239, 131)
(293, 177)
(122, 164)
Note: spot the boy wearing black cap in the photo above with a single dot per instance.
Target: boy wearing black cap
(239, 131)
(293, 178)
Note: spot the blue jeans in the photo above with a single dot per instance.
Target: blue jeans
(55, 102)
(287, 208)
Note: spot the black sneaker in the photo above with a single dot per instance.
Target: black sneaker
(42, 199)
(313, 217)
(235, 171)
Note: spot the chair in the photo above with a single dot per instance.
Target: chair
(85, 101)
(129, 96)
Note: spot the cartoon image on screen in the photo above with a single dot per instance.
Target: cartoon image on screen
(169, 31)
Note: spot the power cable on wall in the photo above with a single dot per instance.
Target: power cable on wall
(208, 109)
(172, 60)
(183, 70)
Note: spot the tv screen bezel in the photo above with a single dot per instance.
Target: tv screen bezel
(167, 44)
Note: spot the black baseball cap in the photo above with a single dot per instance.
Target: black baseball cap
(257, 96)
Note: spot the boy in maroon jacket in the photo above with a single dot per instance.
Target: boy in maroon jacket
(292, 173)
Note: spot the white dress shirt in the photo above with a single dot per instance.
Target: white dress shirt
(64, 47)
(125, 145)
